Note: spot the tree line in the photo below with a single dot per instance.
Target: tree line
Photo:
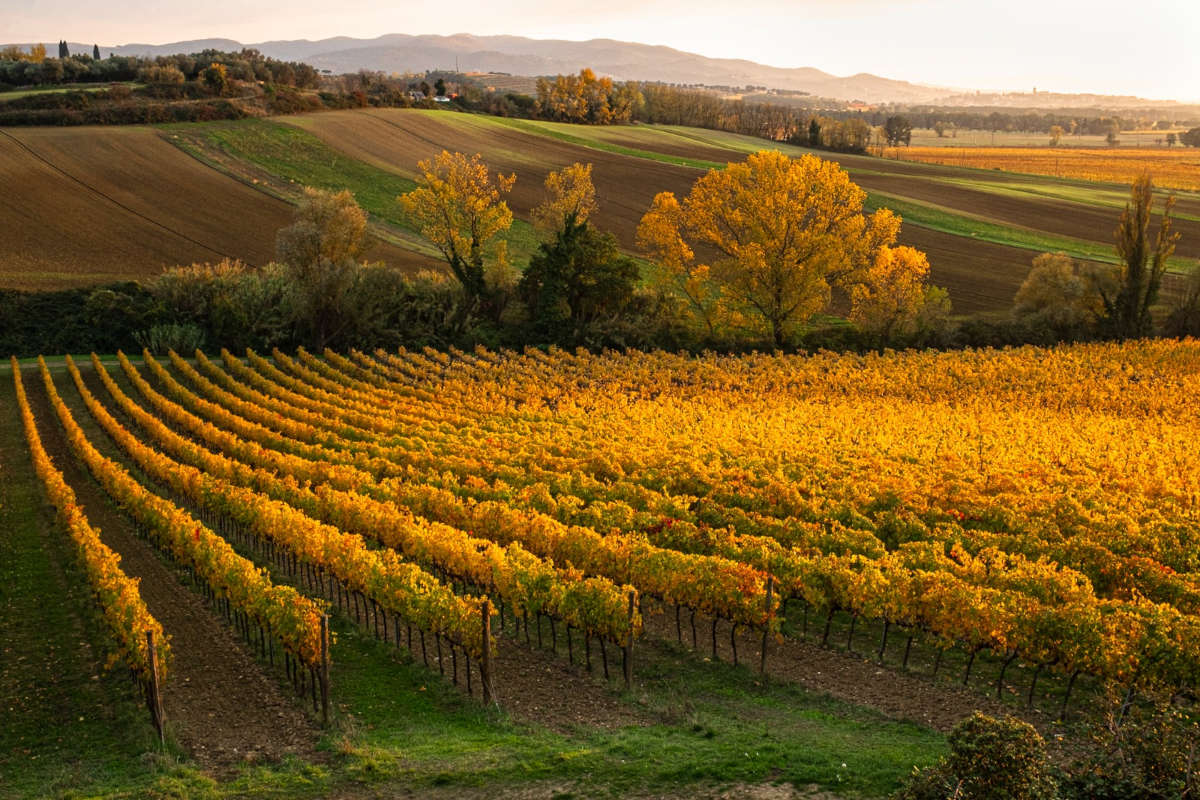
(28, 69)
(746, 260)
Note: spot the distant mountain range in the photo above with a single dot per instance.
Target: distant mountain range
(518, 55)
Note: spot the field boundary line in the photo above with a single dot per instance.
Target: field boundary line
(109, 198)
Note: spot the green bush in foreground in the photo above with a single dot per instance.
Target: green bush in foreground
(990, 759)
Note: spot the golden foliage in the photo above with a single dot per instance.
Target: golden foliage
(892, 294)
(458, 207)
(782, 233)
(326, 226)
(569, 191)
(1172, 168)
(1059, 288)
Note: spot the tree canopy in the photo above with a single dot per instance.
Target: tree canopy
(1143, 263)
(778, 234)
(458, 207)
(570, 195)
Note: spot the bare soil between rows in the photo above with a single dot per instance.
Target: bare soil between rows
(221, 706)
(529, 686)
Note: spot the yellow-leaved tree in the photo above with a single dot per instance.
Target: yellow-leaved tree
(659, 234)
(893, 298)
(780, 233)
(458, 206)
(570, 195)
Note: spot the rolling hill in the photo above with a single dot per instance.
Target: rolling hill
(123, 202)
(519, 55)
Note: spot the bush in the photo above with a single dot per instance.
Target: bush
(160, 339)
(1151, 755)
(990, 759)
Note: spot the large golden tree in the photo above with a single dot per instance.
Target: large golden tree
(774, 234)
(458, 207)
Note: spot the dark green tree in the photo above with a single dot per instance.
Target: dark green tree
(574, 281)
(1143, 261)
(440, 87)
(897, 130)
(96, 52)
(1191, 138)
(63, 50)
(814, 132)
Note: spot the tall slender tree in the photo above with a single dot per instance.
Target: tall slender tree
(1143, 262)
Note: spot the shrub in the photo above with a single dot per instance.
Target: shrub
(990, 759)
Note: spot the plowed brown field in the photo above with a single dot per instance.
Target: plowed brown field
(929, 183)
(979, 275)
(88, 205)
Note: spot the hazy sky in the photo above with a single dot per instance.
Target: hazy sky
(1143, 47)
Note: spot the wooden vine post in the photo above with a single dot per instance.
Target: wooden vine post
(762, 664)
(155, 699)
(485, 664)
(325, 669)
(628, 654)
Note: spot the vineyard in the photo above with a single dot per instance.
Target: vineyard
(1172, 169)
(1032, 511)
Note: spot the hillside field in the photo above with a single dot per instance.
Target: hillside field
(112, 203)
(911, 537)
(1174, 168)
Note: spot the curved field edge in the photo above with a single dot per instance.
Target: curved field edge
(295, 155)
(279, 159)
(942, 218)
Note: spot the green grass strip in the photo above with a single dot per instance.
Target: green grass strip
(297, 156)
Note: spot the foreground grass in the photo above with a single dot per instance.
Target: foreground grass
(711, 725)
(67, 721)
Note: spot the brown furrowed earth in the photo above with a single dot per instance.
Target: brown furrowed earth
(936, 185)
(979, 275)
(222, 705)
(111, 203)
(100, 204)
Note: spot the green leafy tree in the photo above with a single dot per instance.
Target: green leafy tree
(1190, 138)
(96, 52)
(440, 87)
(320, 252)
(575, 280)
(1143, 262)
(897, 130)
